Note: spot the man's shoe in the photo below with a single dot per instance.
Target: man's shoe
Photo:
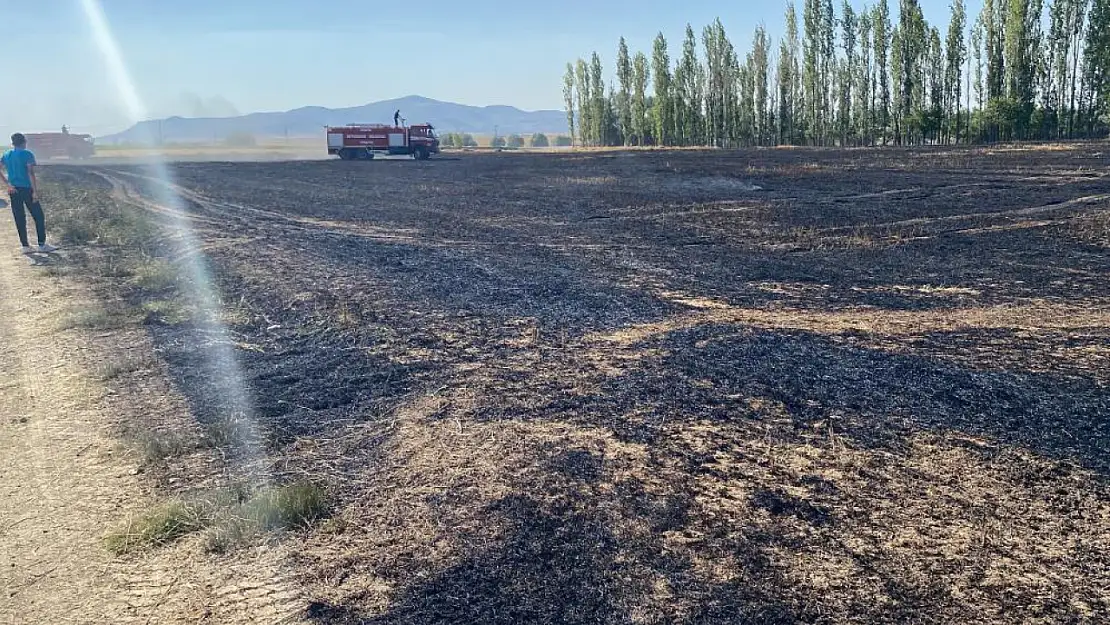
(46, 248)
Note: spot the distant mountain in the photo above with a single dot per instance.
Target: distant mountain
(310, 120)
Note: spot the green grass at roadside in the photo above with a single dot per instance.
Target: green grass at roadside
(231, 516)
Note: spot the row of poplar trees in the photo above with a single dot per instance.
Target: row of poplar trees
(1022, 70)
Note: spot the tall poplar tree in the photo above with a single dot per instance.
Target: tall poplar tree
(848, 24)
(788, 80)
(585, 103)
(760, 68)
(641, 127)
(662, 107)
(624, 95)
(954, 63)
(568, 97)
(864, 90)
(881, 25)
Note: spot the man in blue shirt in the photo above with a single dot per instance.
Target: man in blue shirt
(19, 165)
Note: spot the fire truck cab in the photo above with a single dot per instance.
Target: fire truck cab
(365, 141)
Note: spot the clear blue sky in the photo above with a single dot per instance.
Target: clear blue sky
(191, 57)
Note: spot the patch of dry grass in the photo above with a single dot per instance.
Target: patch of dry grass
(162, 525)
(232, 517)
(293, 506)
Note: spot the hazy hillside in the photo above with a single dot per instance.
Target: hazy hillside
(307, 121)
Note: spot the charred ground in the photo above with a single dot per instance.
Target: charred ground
(765, 386)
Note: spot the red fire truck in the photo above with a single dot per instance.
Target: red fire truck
(57, 144)
(364, 141)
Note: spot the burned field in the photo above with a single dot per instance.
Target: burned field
(768, 386)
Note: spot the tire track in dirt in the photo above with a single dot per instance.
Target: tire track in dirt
(929, 222)
(1016, 212)
(901, 192)
(227, 593)
(218, 215)
(123, 191)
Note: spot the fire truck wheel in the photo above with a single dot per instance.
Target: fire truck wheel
(421, 153)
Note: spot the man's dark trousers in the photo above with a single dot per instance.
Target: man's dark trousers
(23, 200)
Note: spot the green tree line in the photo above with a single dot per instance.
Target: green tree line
(853, 75)
(537, 140)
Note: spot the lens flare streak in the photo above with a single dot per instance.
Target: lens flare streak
(223, 379)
